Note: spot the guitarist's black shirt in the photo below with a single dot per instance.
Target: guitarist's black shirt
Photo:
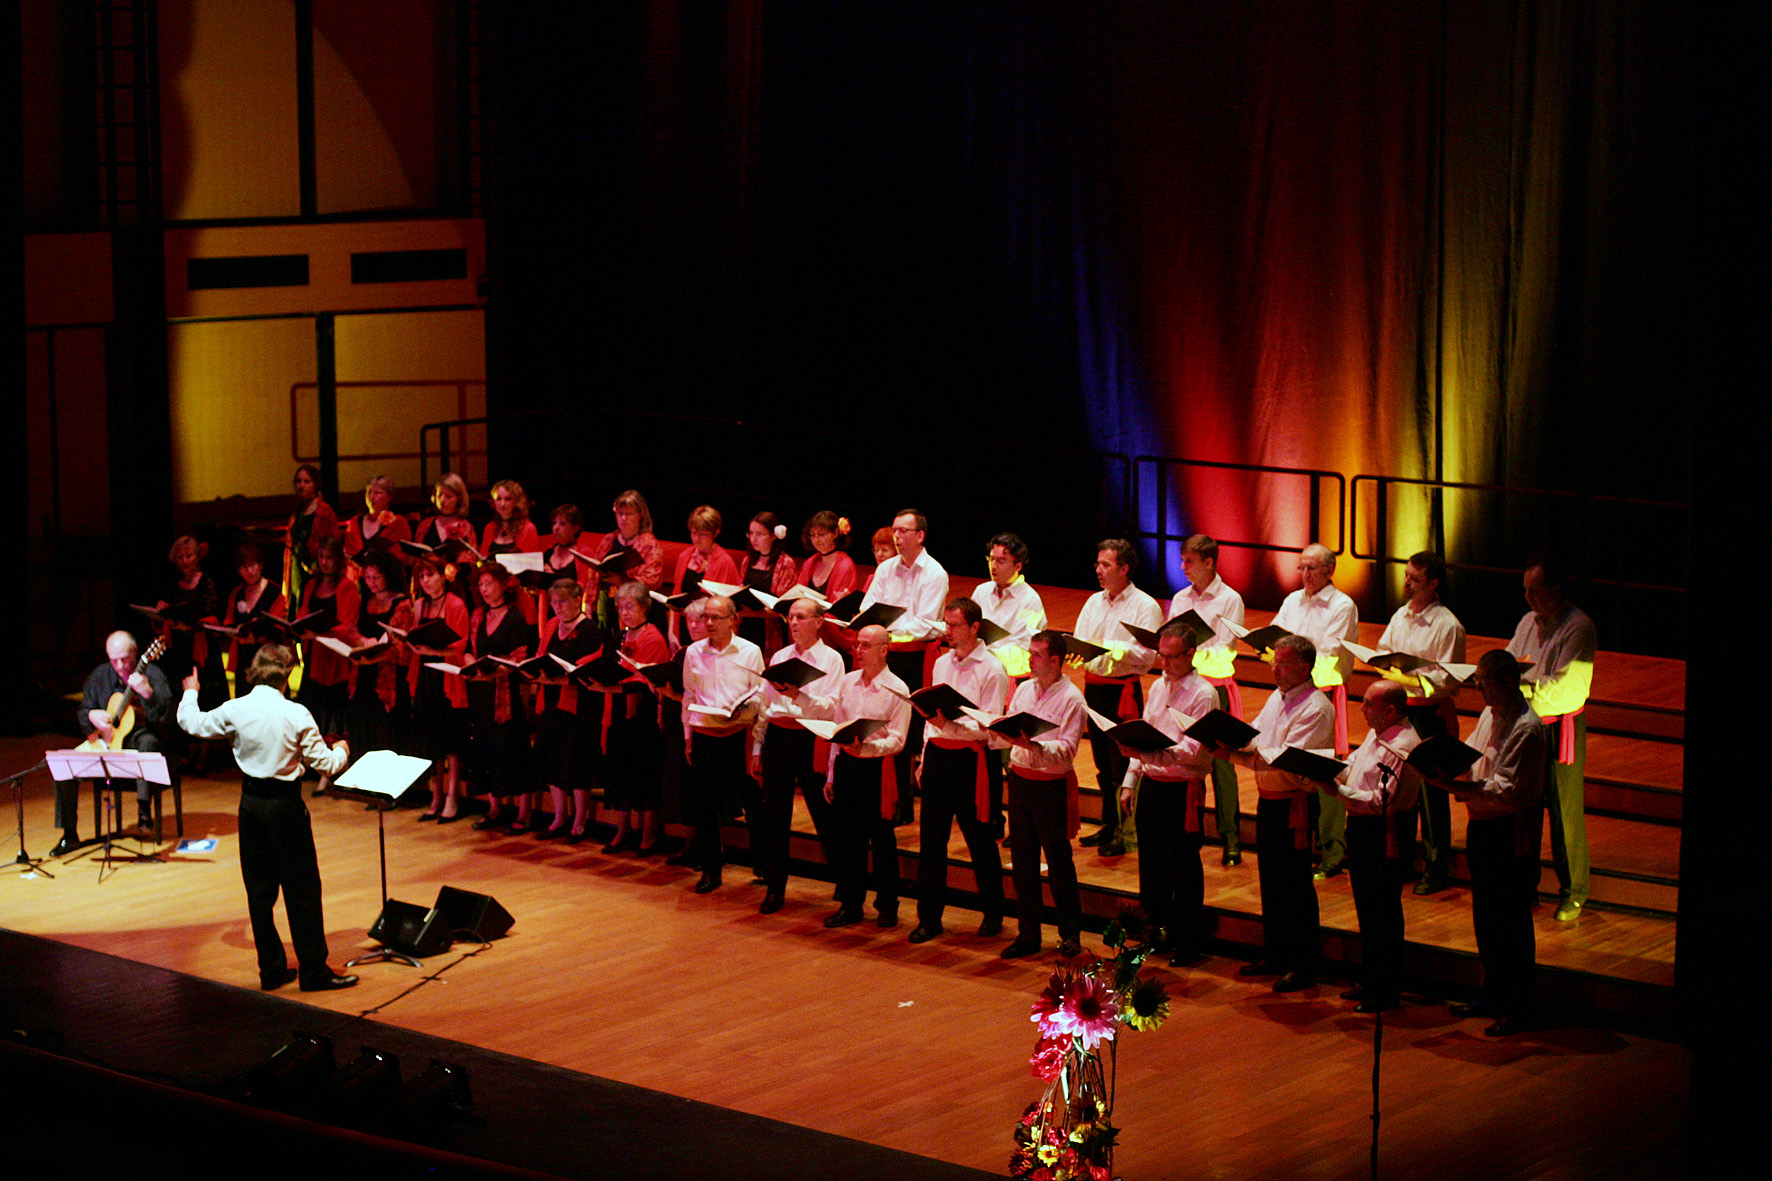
(104, 682)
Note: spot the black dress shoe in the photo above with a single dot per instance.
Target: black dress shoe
(685, 858)
(486, 822)
(428, 817)
(66, 845)
(577, 838)
(550, 834)
(452, 819)
(516, 828)
(1070, 949)
(1232, 857)
(1432, 881)
(710, 881)
(326, 983)
(1021, 947)
(1326, 872)
(888, 919)
(1094, 838)
(1475, 1009)
(1113, 848)
(843, 916)
(648, 850)
(925, 932)
(772, 902)
(989, 926)
(1507, 1026)
(269, 981)
(1295, 982)
(1260, 968)
(1375, 1005)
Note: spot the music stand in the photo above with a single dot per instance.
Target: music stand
(379, 778)
(111, 765)
(31, 864)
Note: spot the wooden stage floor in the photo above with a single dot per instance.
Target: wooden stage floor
(616, 969)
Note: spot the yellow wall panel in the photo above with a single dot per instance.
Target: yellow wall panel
(228, 108)
(230, 384)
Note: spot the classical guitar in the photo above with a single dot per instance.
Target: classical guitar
(121, 707)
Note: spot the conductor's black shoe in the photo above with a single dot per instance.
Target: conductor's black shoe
(925, 932)
(274, 980)
(1295, 982)
(66, 845)
(710, 881)
(1021, 947)
(326, 983)
(843, 916)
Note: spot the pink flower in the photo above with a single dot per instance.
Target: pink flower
(1051, 1000)
(1090, 1011)
(1048, 1058)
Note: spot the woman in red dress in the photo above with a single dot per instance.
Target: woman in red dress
(255, 593)
(439, 700)
(568, 719)
(633, 531)
(326, 676)
(828, 568)
(634, 765)
(377, 524)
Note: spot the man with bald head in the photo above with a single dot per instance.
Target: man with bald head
(721, 678)
(1326, 617)
(1380, 789)
(153, 705)
(862, 784)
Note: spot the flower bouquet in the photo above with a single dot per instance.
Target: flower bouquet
(1068, 1132)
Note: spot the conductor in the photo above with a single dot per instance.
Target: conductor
(272, 738)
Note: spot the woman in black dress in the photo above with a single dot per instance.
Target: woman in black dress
(568, 720)
(768, 568)
(376, 718)
(633, 770)
(498, 725)
(439, 700)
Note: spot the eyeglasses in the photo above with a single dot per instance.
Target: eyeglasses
(715, 618)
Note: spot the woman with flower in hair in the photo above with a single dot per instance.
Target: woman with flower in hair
(828, 569)
(767, 568)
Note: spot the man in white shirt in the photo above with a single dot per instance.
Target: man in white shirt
(1423, 626)
(722, 676)
(1043, 799)
(1207, 595)
(1110, 681)
(1295, 715)
(1560, 641)
(1504, 793)
(862, 785)
(1380, 788)
(273, 739)
(1010, 601)
(1168, 789)
(1320, 613)
(957, 778)
(784, 752)
(914, 580)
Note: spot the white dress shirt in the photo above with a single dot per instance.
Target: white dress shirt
(1218, 605)
(1056, 749)
(1378, 780)
(1509, 777)
(858, 697)
(1325, 619)
(1016, 609)
(921, 588)
(982, 680)
(1562, 651)
(719, 678)
(816, 699)
(1099, 622)
(1302, 718)
(272, 735)
(1194, 696)
(1433, 633)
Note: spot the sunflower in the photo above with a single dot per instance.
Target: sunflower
(1148, 1005)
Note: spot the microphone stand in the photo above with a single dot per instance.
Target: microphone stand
(17, 783)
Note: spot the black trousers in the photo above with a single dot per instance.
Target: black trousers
(1038, 822)
(1171, 884)
(950, 793)
(1110, 764)
(1378, 877)
(1504, 886)
(857, 826)
(1289, 917)
(277, 856)
(719, 787)
(908, 667)
(67, 791)
(1224, 792)
(787, 767)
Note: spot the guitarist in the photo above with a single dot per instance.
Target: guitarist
(122, 695)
